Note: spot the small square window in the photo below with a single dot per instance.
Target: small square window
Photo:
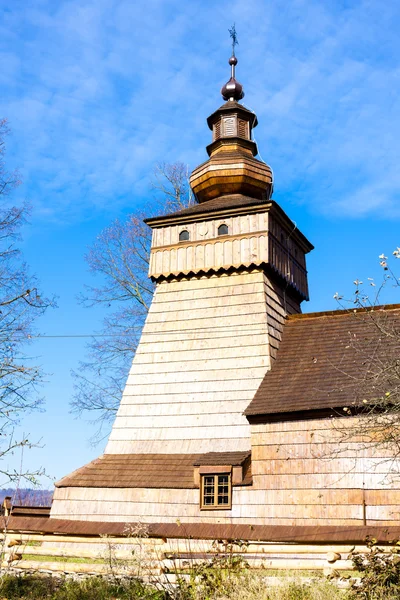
(215, 491)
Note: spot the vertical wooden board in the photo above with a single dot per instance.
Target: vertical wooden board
(181, 259)
(235, 252)
(192, 231)
(244, 224)
(209, 255)
(199, 256)
(219, 254)
(166, 266)
(158, 261)
(253, 223)
(245, 251)
(190, 258)
(175, 229)
(254, 250)
(167, 236)
(173, 260)
(235, 226)
(151, 265)
(263, 248)
(228, 253)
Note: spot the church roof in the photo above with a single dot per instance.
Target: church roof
(150, 470)
(332, 360)
(226, 202)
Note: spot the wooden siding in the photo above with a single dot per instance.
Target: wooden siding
(253, 239)
(299, 469)
(205, 347)
(299, 478)
(208, 229)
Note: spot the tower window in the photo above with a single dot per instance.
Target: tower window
(217, 130)
(229, 126)
(243, 128)
(216, 491)
(184, 236)
(223, 229)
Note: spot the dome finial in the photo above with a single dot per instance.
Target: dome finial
(233, 90)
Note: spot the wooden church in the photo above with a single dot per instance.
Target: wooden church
(235, 405)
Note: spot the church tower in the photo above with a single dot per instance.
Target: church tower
(228, 271)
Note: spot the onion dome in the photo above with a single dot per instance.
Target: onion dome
(232, 167)
(232, 90)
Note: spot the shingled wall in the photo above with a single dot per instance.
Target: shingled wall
(207, 343)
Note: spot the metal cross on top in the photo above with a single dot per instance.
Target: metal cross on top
(233, 34)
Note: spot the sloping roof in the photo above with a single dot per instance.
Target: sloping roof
(222, 202)
(222, 458)
(174, 471)
(232, 105)
(36, 511)
(212, 531)
(331, 360)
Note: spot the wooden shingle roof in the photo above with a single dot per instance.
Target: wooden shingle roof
(221, 203)
(332, 360)
(150, 470)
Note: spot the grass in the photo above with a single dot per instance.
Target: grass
(245, 587)
(33, 587)
(63, 559)
(33, 543)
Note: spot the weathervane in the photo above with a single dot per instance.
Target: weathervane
(233, 90)
(233, 34)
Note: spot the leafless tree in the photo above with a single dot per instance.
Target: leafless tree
(20, 304)
(373, 343)
(120, 258)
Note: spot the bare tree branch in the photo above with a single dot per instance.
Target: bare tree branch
(120, 258)
(20, 304)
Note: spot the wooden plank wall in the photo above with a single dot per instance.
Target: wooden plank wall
(208, 229)
(253, 239)
(247, 243)
(299, 478)
(302, 476)
(205, 347)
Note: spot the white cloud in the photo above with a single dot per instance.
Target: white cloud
(98, 91)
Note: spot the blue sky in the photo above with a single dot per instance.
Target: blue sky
(97, 91)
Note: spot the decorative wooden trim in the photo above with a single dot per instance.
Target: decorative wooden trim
(263, 206)
(213, 240)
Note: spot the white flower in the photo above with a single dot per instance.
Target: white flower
(382, 257)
